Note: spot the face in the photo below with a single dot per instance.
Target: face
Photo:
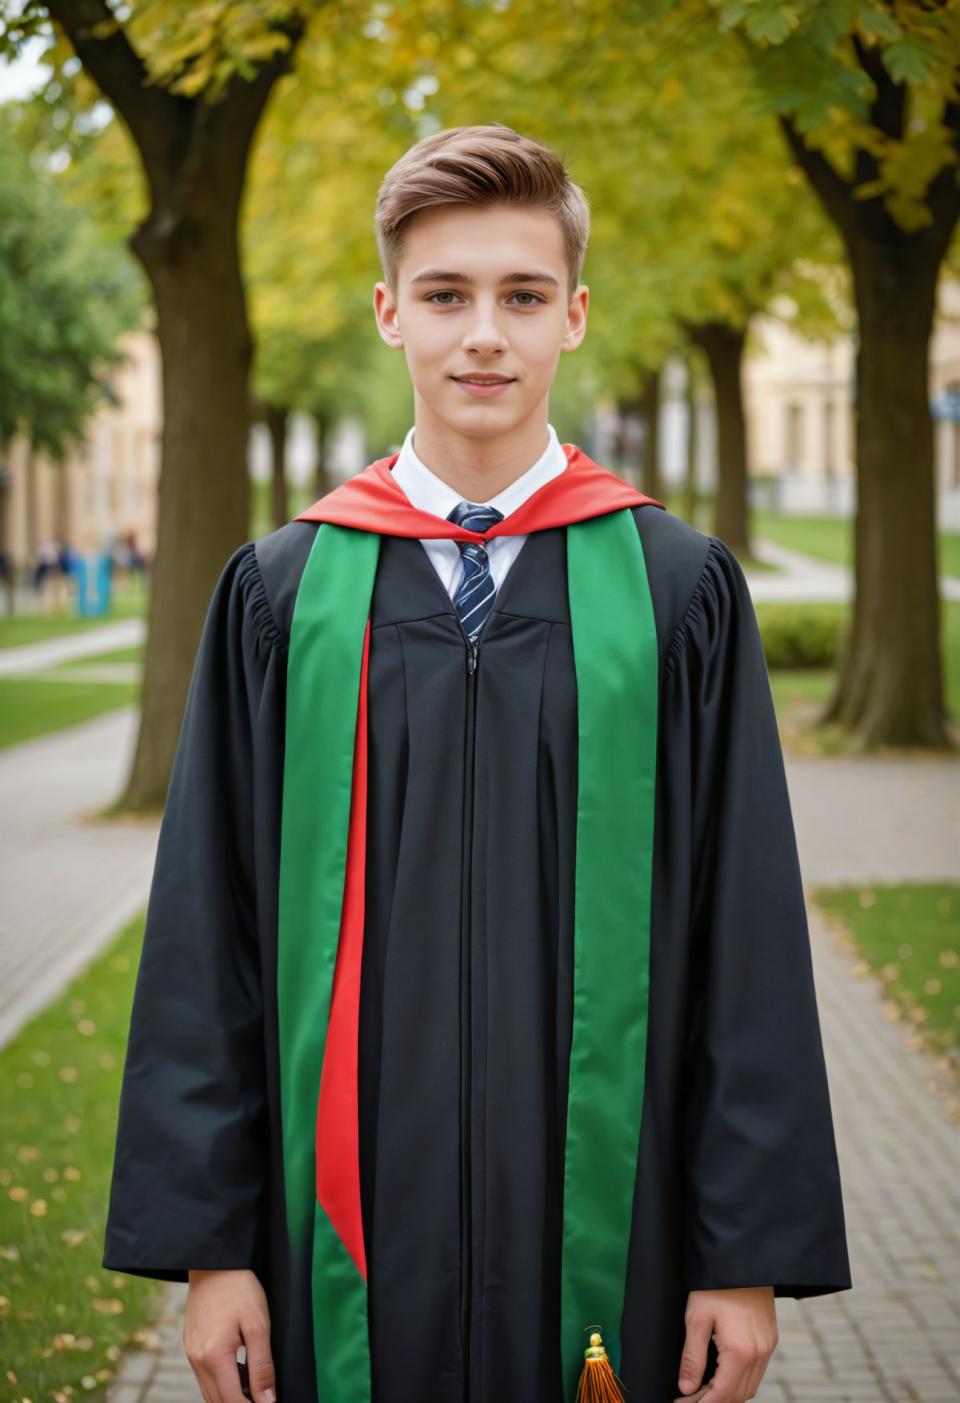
(482, 293)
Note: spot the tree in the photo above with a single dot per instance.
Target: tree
(65, 299)
(190, 85)
(867, 99)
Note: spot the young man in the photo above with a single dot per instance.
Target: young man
(476, 1011)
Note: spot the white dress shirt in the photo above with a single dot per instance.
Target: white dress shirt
(430, 493)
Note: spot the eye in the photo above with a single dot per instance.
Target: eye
(536, 298)
(445, 292)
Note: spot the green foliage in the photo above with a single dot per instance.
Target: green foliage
(825, 65)
(65, 298)
(799, 636)
(187, 48)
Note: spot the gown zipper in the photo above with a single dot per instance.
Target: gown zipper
(466, 1089)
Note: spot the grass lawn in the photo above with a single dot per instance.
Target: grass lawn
(64, 1320)
(799, 693)
(831, 537)
(129, 602)
(116, 655)
(908, 938)
(29, 708)
(826, 537)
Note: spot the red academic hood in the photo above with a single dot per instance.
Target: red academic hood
(373, 500)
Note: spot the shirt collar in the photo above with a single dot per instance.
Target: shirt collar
(430, 493)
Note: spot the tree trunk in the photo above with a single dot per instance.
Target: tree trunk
(693, 443)
(619, 445)
(194, 154)
(8, 582)
(322, 482)
(649, 407)
(62, 506)
(276, 420)
(203, 508)
(30, 513)
(890, 685)
(723, 347)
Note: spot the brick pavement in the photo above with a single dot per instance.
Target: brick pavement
(69, 882)
(894, 1338)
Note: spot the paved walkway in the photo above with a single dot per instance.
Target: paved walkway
(31, 657)
(803, 578)
(895, 1338)
(68, 883)
(886, 820)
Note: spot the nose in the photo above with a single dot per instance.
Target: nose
(485, 334)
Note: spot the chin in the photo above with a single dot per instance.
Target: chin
(486, 420)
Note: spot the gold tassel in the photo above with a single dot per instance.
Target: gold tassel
(598, 1383)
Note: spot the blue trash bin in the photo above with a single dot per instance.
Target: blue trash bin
(94, 573)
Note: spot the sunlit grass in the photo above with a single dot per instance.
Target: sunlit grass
(908, 938)
(116, 655)
(128, 601)
(831, 538)
(29, 709)
(799, 694)
(64, 1320)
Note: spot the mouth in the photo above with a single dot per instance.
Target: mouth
(480, 379)
(483, 385)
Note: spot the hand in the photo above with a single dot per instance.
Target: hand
(743, 1320)
(226, 1309)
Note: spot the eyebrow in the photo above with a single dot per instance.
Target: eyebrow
(440, 275)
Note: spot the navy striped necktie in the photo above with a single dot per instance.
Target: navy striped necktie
(473, 599)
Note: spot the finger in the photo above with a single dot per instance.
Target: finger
(227, 1374)
(208, 1386)
(693, 1360)
(256, 1337)
(729, 1382)
(756, 1374)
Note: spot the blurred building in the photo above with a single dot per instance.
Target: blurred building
(103, 490)
(799, 398)
(800, 404)
(801, 429)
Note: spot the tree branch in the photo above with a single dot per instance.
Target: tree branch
(943, 195)
(834, 191)
(116, 68)
(174, 134)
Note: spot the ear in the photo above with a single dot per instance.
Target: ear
(386, 313)
(576, 327)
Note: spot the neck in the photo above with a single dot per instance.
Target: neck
(478, 467)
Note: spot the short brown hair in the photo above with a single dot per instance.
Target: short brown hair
(481, 165)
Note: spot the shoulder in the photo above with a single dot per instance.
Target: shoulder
(280, 560)
(678, 560)
(700, 593)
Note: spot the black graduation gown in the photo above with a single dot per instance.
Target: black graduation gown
(463, 1053)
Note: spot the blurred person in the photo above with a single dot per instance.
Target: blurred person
(475, 1016)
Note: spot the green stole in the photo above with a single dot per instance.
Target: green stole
(321, 933)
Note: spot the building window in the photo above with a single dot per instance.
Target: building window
(794, 437)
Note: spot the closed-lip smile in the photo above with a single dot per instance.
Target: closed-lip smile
(480, 379)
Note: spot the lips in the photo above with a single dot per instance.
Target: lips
(484, 379)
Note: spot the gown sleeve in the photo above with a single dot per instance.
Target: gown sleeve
(763, 1194)
(189, 1166)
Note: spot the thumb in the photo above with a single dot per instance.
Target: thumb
(263, 1382)
(693, 1360)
